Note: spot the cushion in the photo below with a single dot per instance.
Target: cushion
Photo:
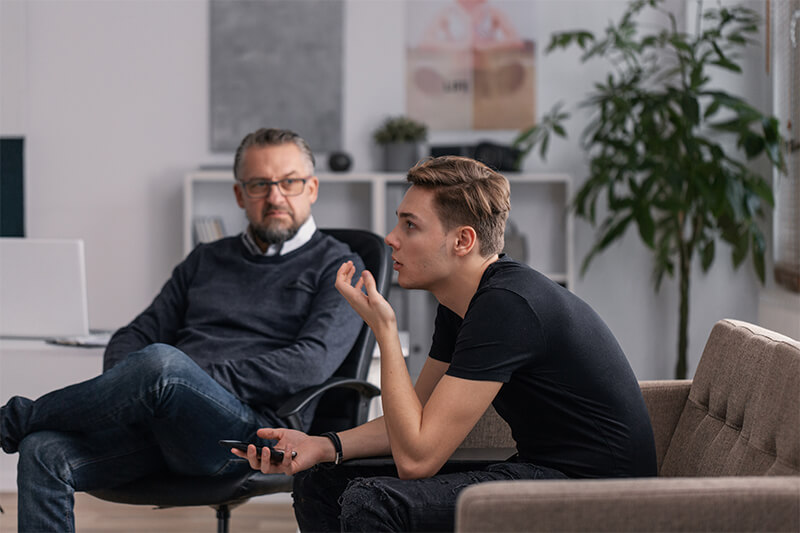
(741, 417)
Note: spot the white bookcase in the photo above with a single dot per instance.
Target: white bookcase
(368, 201)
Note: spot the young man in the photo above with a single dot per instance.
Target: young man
(242, 324)
(505, 335)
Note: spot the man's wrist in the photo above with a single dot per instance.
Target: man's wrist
(337, 446)
(387, 329)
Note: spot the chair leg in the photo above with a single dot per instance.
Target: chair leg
(223, 518)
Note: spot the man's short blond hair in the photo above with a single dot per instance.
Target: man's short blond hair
(467, 193)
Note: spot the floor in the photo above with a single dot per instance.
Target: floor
(272, 513)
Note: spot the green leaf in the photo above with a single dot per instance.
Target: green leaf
(584, 38)
(753, 145)
(740, 247)
(752, 203)
(647, 228)
(613, 232)
(712, 108)
(737, 38)
(771, 129)
(707, 255)
(543, 147)
(758, 256)
(691, 108)
(734, 126)
(727, 65)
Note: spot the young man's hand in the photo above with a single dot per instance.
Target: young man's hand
(369, 303)
(300, 451)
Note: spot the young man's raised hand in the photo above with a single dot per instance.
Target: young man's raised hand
(368, 303)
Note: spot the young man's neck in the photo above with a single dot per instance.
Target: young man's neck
(457, 291)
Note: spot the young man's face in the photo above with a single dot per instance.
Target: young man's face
(419, 242)
(275, 217)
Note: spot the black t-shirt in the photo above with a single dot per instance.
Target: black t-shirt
(569, 394)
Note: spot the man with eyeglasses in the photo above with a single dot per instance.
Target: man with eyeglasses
(243, 323)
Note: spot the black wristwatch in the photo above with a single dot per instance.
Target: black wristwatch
(337, 445)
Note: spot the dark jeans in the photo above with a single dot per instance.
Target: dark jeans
(372, 498)
(157, 410)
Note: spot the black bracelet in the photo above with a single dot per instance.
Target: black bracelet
(337, 445)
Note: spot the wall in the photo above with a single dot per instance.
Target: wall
(112, 97)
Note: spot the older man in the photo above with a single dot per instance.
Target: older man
(243, 323)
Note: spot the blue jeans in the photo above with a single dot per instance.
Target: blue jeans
(157, 410)
(372, 498)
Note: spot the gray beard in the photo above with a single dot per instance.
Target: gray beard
(272, 236)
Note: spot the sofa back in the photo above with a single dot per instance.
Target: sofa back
(742, 416)
(491, 431)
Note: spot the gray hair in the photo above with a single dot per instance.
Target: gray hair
(272, 137)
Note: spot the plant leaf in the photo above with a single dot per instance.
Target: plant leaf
(707, 255)
(647, 228)
(753, 145)
(758, 256)
(740, 247)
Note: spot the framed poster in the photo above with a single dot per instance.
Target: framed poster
(470, 64)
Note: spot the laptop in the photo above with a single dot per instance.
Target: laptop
(43, 288)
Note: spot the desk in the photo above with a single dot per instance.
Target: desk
(32, 368)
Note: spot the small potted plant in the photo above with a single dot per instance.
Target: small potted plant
(400, 138)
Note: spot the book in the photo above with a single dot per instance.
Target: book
(208, 229)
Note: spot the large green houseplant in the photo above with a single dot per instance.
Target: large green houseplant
(657, 145)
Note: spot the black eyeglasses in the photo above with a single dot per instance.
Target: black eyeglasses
(260, 188)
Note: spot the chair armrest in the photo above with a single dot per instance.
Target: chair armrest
(646, 504)
(291, 409)
(665, 400)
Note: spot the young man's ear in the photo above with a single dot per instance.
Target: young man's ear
(466, 240)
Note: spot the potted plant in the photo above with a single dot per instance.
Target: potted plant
(400, 138)
(656, 143)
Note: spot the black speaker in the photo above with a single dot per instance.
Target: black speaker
(496, 156)
(464, 150)
(12, 187)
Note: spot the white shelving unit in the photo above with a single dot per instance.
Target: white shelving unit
(368, 200)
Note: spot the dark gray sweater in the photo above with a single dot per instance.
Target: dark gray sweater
(263, 327)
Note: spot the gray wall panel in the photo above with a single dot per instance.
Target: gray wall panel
(276, 63)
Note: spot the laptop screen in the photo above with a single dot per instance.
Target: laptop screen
(42, 288)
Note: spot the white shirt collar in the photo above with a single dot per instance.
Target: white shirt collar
(303, 235)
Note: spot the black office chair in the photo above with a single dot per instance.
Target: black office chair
(343, 403)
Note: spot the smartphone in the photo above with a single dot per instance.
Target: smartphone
(275, 457)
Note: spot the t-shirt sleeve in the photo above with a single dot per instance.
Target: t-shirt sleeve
(500, 333)
(445, 331)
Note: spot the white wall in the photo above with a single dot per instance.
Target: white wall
(113, 101)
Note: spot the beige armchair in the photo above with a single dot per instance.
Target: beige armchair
(728, 448)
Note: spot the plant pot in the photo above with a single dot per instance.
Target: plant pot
(399, 157)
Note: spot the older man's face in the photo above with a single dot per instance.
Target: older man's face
(276, 217)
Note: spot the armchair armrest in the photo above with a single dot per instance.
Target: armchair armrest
(761, 503)
(291, 409)
(665, 400)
